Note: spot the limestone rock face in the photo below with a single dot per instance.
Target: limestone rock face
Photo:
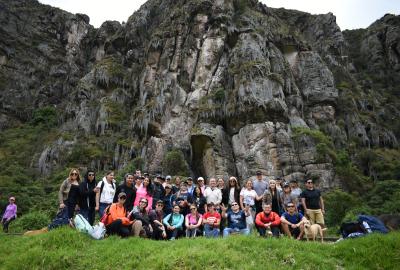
(235, 88)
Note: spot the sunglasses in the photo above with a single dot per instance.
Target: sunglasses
(309, 182)
(74, 173)
(160, 205)
(192, 208)
(91, 174)
(143, 202)
(122, 198)
(290, 206)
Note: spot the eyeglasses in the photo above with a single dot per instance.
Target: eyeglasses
(289, 206)
(309, 182)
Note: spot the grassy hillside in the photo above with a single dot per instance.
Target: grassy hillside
(68, 249)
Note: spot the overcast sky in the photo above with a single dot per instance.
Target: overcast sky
(350, 14)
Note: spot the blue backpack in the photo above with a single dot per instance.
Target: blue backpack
(374, 223)
(59, 220)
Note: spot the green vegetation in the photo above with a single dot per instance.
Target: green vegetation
(32, 221)
(67, 249)
(45, 117)
(174, 163)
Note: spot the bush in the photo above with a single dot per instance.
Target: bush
(31, 221)
(174, 163)
(337, 204)
(46, 117)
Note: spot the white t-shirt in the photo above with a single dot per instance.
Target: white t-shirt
(213, 195)
(107, 195)
(249, 196)
(232, 195)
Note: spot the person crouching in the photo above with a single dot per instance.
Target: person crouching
(268, 222)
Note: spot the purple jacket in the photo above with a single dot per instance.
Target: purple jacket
(11, 211)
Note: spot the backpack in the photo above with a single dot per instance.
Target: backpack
(59, 220)
(82, 225)
(104, 218)
(348, 228)
(374, 223)
(102, 186)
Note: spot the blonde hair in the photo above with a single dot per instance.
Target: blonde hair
(78, 178)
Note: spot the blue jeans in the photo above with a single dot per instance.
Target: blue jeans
(210, 231)
(103, 207)
(228, 231)
(88, 214)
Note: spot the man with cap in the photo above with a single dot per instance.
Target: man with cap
(259, 185)
(158, 190)
(167, 180)
(10, 214)
(191, 185)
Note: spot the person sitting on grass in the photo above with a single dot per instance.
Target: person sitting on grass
(139, 213)
(117, 222)
(268, 222)
(156, 218)
(193, 222)
(211, 221)
(292, 222)
(236, 219)
(173, 223)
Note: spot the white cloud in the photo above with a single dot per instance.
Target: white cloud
(349, 14)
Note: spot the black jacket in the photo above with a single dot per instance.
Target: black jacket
(225, 196)
(130, 195)
(158, 193)
(87, 195)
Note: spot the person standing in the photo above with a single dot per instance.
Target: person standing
(272, 196)
(158, 190)
(9, 214)
(212, 193)
(106, 190)
(296, 191)
(259, 185)
(129, 189)
(68, 195)
(201, 184)
(231, 193)
(191, 185)
(145, 191)
(87, 202)
(313, 203)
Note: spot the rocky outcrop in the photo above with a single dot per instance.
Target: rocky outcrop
(225, 82)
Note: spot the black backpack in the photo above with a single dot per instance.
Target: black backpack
(351, 227)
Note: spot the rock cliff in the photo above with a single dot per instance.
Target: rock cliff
(234, 85)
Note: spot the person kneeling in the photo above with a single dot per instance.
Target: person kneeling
(193, 222)
(173, 223)
(211, 221)
(236, 220)
(117, 222)
(268, 222)
(292, 222)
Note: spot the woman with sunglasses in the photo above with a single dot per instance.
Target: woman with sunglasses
(69, 195)
(193, 222)
(9, 215)
(231, 193)
(87, 202)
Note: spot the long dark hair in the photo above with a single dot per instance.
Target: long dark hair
(87, 176)
(195, 193)
(149, 188)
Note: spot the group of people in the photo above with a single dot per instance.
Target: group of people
(160, 208)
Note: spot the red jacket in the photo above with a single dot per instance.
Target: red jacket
(262, 219)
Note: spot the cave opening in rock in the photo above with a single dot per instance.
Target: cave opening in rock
(202, 156)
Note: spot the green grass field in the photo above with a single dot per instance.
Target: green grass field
(67, 249)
